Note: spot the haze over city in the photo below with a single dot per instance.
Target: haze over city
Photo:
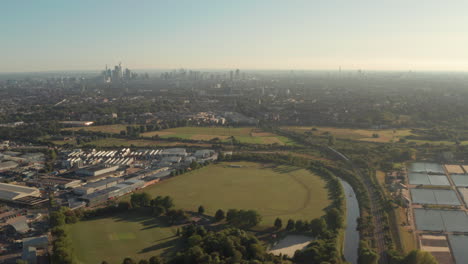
(372, 35)
(234, 132)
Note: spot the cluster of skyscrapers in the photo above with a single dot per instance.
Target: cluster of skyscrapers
(118, 74)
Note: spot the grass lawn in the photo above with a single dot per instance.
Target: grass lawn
(249, 135)
(385, 135)
(115, 129)
(117, 142)
(273, 191)
(113, 238)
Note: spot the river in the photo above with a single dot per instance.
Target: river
(351, 243)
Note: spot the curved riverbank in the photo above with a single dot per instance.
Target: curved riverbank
(351, 242)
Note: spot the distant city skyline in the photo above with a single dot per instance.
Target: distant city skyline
(400, 35)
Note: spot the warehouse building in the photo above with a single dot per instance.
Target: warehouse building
(10, 192)
(174, 152)
(8, 165)
(96, 170)
(92, 187)
(55, 182)
(204, 153)
(117, 190)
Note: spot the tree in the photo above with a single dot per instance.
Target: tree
(201, 209)
(128, 261)
(334, 218)
(159, 210)
(278, 223)
(57, 218)
(176, 216)
(299, 226)
(194, 240)
(366, 254)
(243, 218)
(317, 226)
(145, 199)
(290, 225)
(419, 257)
(155, 260)
(194, 165)
(219, 215)
(331, 140)
(140, 200)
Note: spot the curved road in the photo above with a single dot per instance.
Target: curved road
(376, 210)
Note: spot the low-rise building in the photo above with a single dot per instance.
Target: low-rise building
(92, 187)
(174, 152)
(8, 165)
(56, 182)
(96, 170)
(11, 192)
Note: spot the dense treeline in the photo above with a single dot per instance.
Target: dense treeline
(227, 246)
(62, 249)
(29, 132)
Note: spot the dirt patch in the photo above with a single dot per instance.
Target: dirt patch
(434, 243)
(291, 243)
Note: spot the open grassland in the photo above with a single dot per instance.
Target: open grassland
(385, 135)
(125, 235)
(273, 191)
(247, 135)
(117, 142)
(113, 129)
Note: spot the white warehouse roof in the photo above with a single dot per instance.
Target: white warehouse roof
(12, 192)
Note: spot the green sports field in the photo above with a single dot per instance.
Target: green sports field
(247, 135)
(117, 142)
(274, 191)
(125, 235)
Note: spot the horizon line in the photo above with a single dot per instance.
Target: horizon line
(246, 69)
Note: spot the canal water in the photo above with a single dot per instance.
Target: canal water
(351, 243)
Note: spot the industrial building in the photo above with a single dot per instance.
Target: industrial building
(8, 165)
(171, 152)
(55, 182)
(96, 170)
(12, 192)
(204, 153)
(113, 192)
(92, 187)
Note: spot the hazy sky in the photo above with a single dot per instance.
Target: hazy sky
(248, 34)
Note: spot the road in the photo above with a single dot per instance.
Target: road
(376, 210)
